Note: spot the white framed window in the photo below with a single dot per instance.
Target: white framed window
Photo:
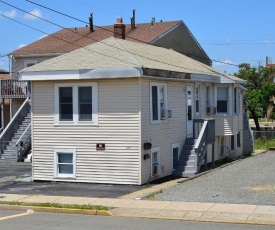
(197, 97)
(175, 155)
(76, 103)
(64, 163)
(29, 63)
(222, 99)
(208, 96)
(158, 100)
(236, 101)
(155, 161)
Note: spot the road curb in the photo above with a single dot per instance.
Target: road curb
(56, 210)
(201, 220)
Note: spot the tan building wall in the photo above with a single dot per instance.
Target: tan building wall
(118, 128)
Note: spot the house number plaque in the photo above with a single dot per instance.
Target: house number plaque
(100, 146)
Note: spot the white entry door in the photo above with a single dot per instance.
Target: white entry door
(189, 111)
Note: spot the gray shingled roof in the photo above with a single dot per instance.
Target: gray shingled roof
(118, 53)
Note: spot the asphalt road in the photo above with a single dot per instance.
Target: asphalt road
(54, 221)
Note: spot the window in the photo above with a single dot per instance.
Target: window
(155, 161)
(238, 140)
(222, 99)
(29, 63)
(208, 102)
(236, 101)
(76, 103)
(175, 155)
(65, 103)
(197, 95)
(158, 100)
(64, 163)
(232, 143)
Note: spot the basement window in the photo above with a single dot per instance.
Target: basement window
(64, 163)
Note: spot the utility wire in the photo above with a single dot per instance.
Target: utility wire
(65, 40)
(91, 39)
(66, 15)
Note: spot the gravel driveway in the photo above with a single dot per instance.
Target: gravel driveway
(248, 181)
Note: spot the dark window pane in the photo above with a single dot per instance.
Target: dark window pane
(65, 169)
(222, 106)
(85, 108)
(65, 158)
(175, 157)
(232, 143)
(155, 102)
(65, 103)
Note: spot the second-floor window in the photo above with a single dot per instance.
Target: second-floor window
(158, 99)
(76, 103)
(222, 99)
(197, 95)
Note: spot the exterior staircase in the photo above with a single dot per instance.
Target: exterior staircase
(194, 151)
(187, 160)
(15, 140)
(13, 147)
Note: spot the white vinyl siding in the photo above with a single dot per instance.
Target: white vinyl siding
(164, 134)
(118, 129)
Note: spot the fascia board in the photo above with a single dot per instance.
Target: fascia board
(82, 74)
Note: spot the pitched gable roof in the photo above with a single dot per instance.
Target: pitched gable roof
(114, 53)
(52, 45)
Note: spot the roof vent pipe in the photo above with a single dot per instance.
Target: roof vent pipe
(133, 21)
(153, 21)
(91, 22)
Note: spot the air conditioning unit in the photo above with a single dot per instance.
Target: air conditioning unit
(156, 170)
(210, 110)
(163, 114)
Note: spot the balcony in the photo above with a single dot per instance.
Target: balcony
(14, 89)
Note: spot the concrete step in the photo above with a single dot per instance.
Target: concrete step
(190, 141)
(188, 147)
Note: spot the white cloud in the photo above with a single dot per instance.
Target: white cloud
(10, 14)
(20, 46)
(223, 62)
(34, 13)
(268, 42)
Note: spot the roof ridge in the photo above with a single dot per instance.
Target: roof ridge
(128, 53)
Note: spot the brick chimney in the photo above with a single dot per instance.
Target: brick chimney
(119, 29)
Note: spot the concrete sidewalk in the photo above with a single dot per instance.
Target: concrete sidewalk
(214, 212)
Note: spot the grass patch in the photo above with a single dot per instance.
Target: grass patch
(151, 196)
(264, 143)
(55, 205)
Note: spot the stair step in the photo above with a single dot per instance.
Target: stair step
(188, 147)
(190, 141)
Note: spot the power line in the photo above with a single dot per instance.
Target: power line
(89, 38)
(118, 33)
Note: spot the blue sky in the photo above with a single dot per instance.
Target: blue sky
(234, 31)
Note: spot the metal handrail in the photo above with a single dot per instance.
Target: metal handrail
(23, 134)
(14, 118)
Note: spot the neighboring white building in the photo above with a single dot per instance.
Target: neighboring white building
(121, 112)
